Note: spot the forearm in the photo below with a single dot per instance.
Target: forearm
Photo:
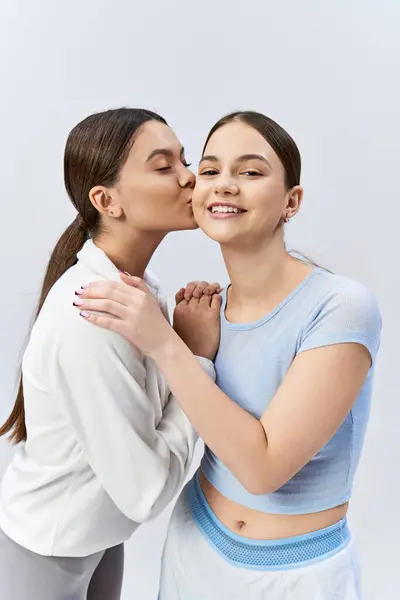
(237, 438)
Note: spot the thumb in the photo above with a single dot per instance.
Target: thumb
(179, 296)
(135, 282)
(216, 301)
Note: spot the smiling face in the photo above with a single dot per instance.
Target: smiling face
(241, 192)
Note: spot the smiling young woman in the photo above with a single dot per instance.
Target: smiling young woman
(284, 425)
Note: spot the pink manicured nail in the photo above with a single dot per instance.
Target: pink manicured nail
(84, 287)
(84, 314)
(77, 302)
(78, 292)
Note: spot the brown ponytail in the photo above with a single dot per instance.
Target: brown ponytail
(95, 153)
(62, 258)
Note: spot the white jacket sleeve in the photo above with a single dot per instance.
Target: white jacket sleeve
(140, 455)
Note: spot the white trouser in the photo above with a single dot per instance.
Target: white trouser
(192, 569)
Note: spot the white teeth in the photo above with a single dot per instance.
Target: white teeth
(225, 209)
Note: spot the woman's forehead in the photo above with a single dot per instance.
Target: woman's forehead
(236, 139)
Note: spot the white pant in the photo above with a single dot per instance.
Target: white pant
(193, 570)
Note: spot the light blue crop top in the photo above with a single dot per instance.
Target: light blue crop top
(253, 359)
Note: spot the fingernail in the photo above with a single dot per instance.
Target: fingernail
(84, 314)
(78, 292)
(125, 273)
(84, 287)
(78, 302)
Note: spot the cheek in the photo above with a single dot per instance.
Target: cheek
(153, 192)
(268, 199)
(167, 184)
(198, 214)
(200, 194)
(199, 204)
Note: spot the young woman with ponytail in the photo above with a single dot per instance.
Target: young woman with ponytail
(101, 444)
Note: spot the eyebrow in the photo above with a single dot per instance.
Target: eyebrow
(243, 158)
(163, 152)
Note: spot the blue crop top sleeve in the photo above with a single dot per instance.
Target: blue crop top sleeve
(350, 314)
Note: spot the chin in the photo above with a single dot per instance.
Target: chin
(220, 237)
(186, 226)
(222, 233)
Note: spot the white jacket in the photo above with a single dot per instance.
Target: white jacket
(108, 445)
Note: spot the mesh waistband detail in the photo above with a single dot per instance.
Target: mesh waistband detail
(264, 554)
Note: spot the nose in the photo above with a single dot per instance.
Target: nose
(225, 185)
(187, 179)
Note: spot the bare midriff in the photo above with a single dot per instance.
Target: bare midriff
(258, 525)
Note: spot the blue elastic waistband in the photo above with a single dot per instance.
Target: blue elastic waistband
(287, 553)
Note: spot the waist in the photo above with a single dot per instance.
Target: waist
(265, 554)
(255, 524)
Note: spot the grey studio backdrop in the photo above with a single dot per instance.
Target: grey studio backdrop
(327, 71)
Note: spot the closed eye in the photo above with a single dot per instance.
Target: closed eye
(164, 169)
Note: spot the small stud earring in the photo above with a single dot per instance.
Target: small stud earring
(286, 219)
(111, 213)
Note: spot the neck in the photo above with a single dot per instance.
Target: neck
(260, 273)
(132, 251)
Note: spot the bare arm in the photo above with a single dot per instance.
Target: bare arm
(308, 408)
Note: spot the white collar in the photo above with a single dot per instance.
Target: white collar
(98, 262)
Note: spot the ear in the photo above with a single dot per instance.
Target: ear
(294, 200)
(103, 201)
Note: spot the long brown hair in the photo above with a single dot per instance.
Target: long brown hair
(95, 153)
